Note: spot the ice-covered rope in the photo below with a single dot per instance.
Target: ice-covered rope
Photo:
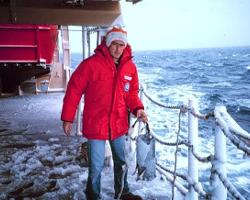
(237, 142)
(182, 142)
(182, 108)
(200, 116)
(224, 127)
(175, 154)
(179, 187)
(202, 159)
(230, 188)
(184, 177)
(241, 136)
(185, 142)
(197, 186)
(234, 127)
(156, 102)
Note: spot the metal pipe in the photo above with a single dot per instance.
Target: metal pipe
(79, 111)
(88, 42)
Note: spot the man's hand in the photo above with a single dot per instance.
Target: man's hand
(67, 127)
(141, 115)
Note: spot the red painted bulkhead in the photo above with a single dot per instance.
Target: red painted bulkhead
(27, 43)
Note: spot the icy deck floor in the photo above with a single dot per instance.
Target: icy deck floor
(38, 162)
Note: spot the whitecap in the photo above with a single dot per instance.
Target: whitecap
(207, 64)
(248, 67)
(244, 102)
(224, 83)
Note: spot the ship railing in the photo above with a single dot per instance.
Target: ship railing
(225, 127)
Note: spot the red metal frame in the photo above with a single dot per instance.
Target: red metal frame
(27, 43)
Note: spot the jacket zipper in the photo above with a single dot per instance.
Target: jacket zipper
(115, 71)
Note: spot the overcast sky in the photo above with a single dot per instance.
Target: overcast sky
(177, 24)
(171, 24)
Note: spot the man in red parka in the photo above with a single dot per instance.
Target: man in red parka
(109, 82)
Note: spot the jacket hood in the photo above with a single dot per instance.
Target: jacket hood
(103, 49)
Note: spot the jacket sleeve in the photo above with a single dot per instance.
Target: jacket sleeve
(133, 101)
(75, 89)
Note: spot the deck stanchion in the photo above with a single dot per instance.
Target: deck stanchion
(193, 140)
(79, 111)
(66, 51)
(219, 191)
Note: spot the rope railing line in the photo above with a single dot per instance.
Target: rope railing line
(239, 137)
(158, 103)
(230, 188)
(197, 187)
(182, 108)
(186, 143)
(202, 159)
(234, 127)
(179, 187)
(182, 142)
(176, 152)
(238, 143)
(200, 116)
(153, 134)
(184, 177)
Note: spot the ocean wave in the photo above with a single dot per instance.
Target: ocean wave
(217, 98)
(220, 84)
(246, 55)
(207, 64)
(227, 64)
(244, 110)
(244, 103)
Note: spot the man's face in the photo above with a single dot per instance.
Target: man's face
(116, 49)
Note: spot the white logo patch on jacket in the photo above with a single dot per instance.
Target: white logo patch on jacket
(129, 78)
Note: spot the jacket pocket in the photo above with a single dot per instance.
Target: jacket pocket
(99, 88)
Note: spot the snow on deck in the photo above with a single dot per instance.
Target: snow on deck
(37, 161)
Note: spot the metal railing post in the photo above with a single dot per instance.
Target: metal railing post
(79, 111)
(193, 140)
(66, 51)
(219, 191)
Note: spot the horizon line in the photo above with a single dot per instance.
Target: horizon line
(188, 48)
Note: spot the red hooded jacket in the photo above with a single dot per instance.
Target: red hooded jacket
(110, 93)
